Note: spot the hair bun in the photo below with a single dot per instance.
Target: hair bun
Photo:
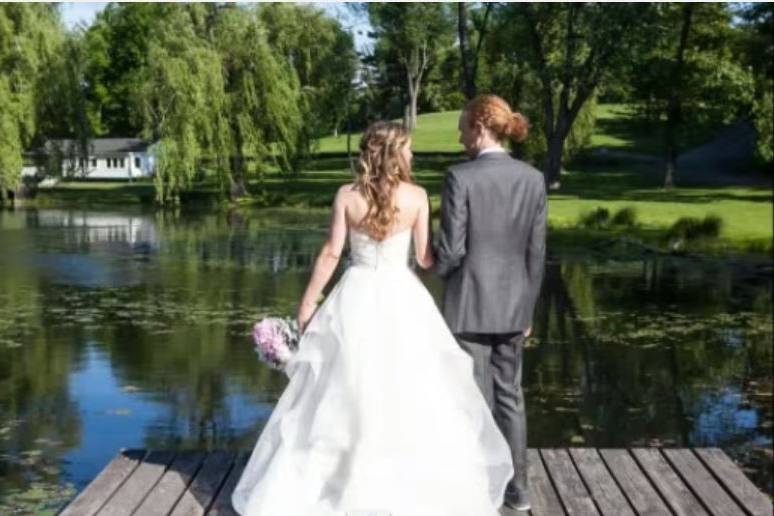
(518, 127)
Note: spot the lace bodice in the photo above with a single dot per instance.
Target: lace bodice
(393, 251)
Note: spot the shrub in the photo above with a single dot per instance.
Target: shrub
(691, 228)
(595, 219)
(624, 217)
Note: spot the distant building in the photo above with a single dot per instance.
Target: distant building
(108, 158)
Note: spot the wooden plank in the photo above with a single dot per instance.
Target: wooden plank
(604, 491)
(133, 491)
(733, 479)
(635, 485)
(222, 505)
(542, 497)
(675, 492)
(572, 492)
(164, 496)
(701, 482)
(104, 484)
(205, 485)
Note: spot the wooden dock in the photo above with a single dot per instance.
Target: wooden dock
(573, 481)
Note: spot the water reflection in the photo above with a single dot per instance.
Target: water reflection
(130, 329)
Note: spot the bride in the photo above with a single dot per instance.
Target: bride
(382, 415)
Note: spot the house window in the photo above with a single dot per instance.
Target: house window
(137, 162)
(122, 163)
(107, 162)
(93, 162)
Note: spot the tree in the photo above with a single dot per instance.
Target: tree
(757, 49)
(30, 35)
(689, 77)
(117, 50)
(413, 33)
(323, 56)
(215, 93)
(62, 107)
(572, 48)
(469, 56)
(262, 105)
(183, 102)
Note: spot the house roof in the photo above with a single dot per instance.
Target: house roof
(100, 146)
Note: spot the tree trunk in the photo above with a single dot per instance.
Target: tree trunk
(413, 112)
(674, 107)
(553, 166)
(238, 189)
(349, 133)
(468, 80)
(415, 69)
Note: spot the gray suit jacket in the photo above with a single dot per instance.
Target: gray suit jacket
(491, 247)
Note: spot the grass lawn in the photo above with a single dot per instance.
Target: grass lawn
(96, 193)
(435, 132)
(746, 212)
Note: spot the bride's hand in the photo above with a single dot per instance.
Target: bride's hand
(528, 332)
(305, 313)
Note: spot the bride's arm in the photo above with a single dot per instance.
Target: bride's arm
(422, 237)
(327, 260)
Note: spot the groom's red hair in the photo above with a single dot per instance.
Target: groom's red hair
(495, 114)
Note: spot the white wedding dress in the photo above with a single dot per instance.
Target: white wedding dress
(382, 415)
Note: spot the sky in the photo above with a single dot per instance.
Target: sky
(74, 13)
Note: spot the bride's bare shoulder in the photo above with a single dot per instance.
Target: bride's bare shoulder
(413, 192)
(348, 192)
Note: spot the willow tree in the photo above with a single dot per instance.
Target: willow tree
(183, 102)
(216, 96)
(262, 97)
(30, 35)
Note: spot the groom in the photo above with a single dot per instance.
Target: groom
(490, 253)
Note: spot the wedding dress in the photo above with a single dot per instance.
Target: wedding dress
(382, 415)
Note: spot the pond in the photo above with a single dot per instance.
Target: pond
(123, 329)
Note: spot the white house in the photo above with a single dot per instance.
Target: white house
(109, 158)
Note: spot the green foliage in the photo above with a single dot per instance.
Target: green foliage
(549, 60)
(757, 50)
(714, 88)
(117, 48)
(214, 90)
(690, 228)
(183, 102)
(264, 103)
(30, 35)
(598, 218)
(411, 39)
(626, 216)
(323, 56)
(763, 114)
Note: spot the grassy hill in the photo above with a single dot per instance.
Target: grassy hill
(435, 132)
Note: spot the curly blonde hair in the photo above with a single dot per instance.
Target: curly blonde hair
(380, 168)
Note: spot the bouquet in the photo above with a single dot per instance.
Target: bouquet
(276, 340)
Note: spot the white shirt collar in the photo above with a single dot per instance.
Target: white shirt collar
(488, 150)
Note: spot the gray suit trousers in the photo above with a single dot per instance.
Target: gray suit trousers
(497, 361)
